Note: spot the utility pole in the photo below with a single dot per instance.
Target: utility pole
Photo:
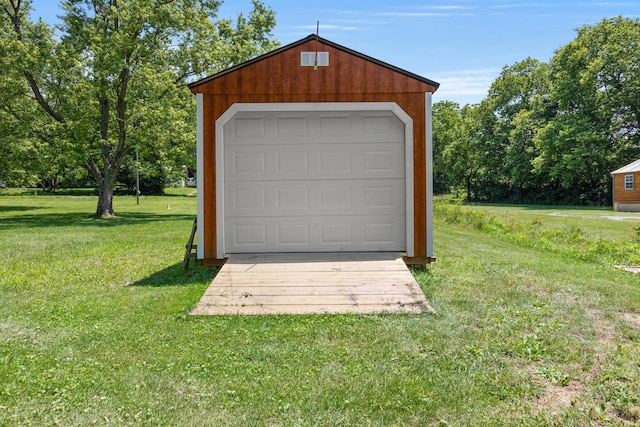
(137, 179)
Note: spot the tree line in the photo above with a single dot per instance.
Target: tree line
(548, 133)
(77, 100)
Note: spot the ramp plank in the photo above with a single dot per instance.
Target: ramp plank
(313, 283)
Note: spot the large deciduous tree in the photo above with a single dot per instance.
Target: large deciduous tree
(458, 148)
(553, 132)
(508, 114)
(113, 77)
(596, 128)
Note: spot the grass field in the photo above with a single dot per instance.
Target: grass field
(533, 327)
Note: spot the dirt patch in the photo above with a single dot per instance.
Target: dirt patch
(632, 318)
(620, 218)
(554, 398)
(605, 330)
(12, 332)
(631, 268)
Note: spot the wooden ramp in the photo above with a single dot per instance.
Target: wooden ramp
(313, 283)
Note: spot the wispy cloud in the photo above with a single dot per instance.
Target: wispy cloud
(465, 82)
(329, 27)
(521, 5)
(446, 7)
(365, 22)
(426, 11)
(415, 14)
(615, 4)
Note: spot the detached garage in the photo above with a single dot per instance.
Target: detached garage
(314, 148)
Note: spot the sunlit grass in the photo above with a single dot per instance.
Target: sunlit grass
(94, 329)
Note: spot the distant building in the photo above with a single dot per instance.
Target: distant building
(626, 188)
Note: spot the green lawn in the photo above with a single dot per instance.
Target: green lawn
(94, 328)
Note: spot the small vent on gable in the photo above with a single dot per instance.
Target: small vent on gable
(308, 59)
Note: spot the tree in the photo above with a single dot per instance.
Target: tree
(114, 77)
(596, 126)
(446, 118)
(458, 144)
(508, 123)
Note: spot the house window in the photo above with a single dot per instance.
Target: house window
(628, 182)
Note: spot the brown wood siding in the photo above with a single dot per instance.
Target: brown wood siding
(281, 79)
(626, 196)
(282, 74)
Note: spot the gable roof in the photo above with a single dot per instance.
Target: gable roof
(311, 38)
(631, 167)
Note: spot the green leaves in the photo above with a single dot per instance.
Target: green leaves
(553, 132)
(115, 75)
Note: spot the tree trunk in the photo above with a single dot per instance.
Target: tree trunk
(106, 185)
(105, 178)
(105, 202)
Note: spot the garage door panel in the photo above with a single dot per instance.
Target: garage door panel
(249, 199)
(313, 198)
(314, 182)
(298, 234)
(311, 128)
(292, 162)
(281, 162)
(249, 235)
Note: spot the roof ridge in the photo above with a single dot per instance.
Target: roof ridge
(313, 37)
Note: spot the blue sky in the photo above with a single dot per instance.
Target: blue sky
(461, 44)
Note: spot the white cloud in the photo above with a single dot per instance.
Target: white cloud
(521, 5)
(472, 82)
(427, 11)
(447, 7)
(328, 27)
(414, 14)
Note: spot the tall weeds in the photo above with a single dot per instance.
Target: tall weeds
(567, 240)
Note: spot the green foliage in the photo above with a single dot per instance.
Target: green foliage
(112, 78)
(457, 147)
(550, 133)
(635, 233)
(568, 240)
(555, 376)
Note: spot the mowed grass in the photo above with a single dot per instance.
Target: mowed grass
(94, 329)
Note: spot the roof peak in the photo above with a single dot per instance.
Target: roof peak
(324, 41)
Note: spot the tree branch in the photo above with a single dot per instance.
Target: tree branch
(38, 95)
(15, 20)
(93, 170)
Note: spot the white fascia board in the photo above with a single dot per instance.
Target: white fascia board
(429, 171)
(200, 173)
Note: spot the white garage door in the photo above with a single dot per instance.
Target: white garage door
(314, 182)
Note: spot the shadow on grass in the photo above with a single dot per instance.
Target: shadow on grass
(185, 195)
(5, 208)
(176, 275)
(76, 192)
(541, 207)
(82, 219)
